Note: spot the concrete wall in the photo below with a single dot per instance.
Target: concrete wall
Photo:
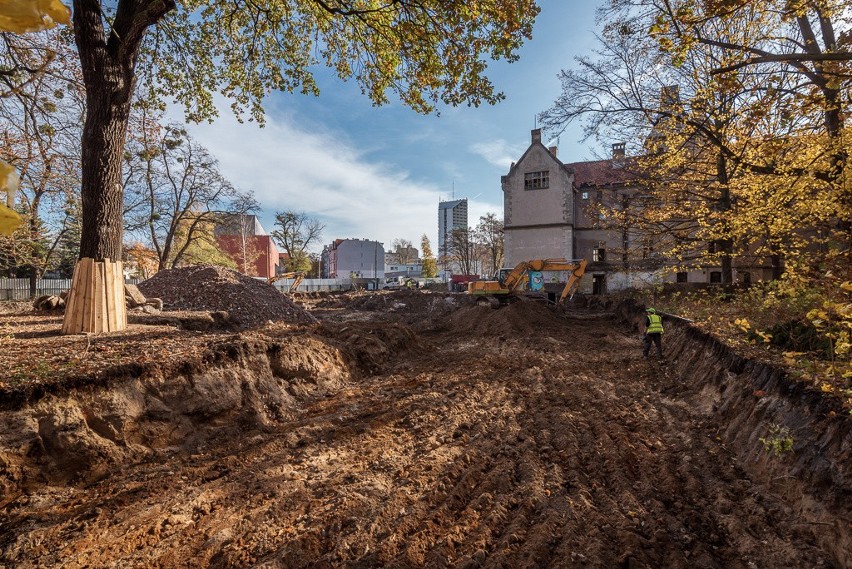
(537, 243)
(552, 205)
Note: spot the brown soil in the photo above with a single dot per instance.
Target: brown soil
(248, 302)
(412, 429)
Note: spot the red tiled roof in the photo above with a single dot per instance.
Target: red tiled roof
(599, 173)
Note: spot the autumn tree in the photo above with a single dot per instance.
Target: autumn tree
(463, 250)
(296, 231)
(430, 264)
(489, 236)
(799, 51)
(176, 195)
(714, 144)
(195, 239)
(144, 259)
(41, 108)
(425, 52)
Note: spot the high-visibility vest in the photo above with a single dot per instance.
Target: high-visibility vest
(656, 324)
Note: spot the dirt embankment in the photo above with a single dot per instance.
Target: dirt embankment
(756, 404)
(519, 437)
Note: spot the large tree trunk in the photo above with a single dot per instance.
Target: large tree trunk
(108, 59)
(103, 144)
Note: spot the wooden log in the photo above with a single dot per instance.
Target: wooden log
(90, 297)
(96, 301)
(118, 272)
(99, 296)
(70, 303)
(109, 297)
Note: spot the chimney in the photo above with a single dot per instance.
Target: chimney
(536, 135)
(554, 150)
(618, 151)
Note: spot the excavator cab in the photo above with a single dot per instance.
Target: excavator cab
(502, 274)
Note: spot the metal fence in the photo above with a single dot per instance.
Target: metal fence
(315, 285)
(19, 289)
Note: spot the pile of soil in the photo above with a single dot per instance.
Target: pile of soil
(407, 306)
(528, 318)
(248, 301)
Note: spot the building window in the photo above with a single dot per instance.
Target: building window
(599, 253)
(682, 277)
(715, 276)
(537, 180)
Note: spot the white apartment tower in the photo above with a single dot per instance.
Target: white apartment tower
(451, 215)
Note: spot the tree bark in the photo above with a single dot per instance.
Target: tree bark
(108, 64)
(103, 143)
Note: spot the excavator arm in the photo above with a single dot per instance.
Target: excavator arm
(515, 278)
(297, 277)
(574, 280)
(515, 281)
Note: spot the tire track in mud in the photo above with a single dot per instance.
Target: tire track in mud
(510, 438)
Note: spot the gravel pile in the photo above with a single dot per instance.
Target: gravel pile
(250, 302)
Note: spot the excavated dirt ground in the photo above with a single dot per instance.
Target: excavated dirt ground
(421, 431)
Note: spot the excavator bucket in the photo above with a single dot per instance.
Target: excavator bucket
(573, 281)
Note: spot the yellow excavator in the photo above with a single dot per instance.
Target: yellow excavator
(297, 277)
(526, 280)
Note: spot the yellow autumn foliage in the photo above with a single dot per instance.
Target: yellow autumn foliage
(21, 16)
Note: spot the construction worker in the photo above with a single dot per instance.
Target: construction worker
(653, 333)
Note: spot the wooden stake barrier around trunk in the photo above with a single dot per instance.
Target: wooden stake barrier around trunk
(95, 303)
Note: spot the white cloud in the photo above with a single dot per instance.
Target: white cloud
(288, 167)
(498, 152)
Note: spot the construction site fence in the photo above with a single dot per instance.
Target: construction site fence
(19, 289)
(324, 285)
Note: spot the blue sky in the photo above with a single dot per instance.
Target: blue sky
(379, 172)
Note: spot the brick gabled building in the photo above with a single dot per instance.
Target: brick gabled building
(243, 238)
